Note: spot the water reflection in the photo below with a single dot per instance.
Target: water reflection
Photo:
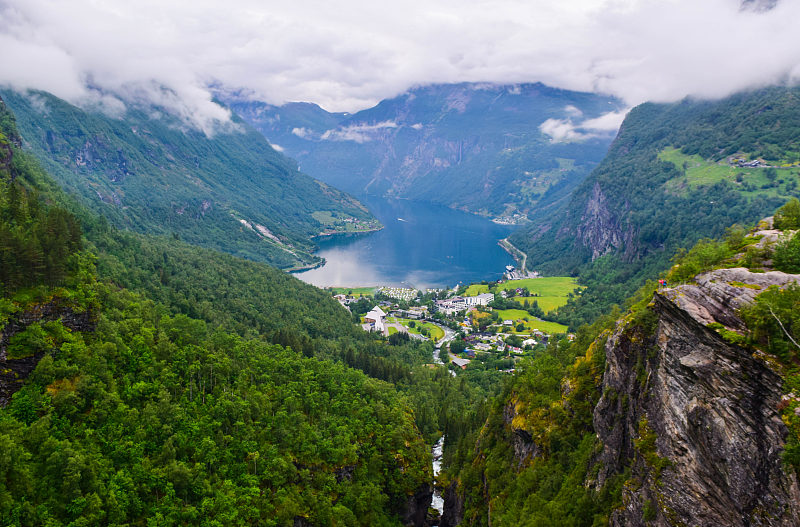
(422, 245)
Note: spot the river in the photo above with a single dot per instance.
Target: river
(422, 245)
(437, 502)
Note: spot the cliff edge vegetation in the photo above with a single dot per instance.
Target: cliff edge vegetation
(681, 411)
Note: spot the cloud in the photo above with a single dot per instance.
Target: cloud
(348, 55)
(302, 133)
(566, 130)
(360, 133)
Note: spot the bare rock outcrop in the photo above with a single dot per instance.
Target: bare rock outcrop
(13, 372)
(601, 231)
(695, 417)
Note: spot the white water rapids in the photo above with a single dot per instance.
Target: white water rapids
(437, 502)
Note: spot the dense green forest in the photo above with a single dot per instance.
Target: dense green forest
(235, 382)
(629, 217)
(175, 384)
(150, 172)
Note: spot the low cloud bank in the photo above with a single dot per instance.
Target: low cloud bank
(348, 55)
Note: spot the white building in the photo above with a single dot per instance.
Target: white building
(460, 303)
(376, 319)
(482, 299)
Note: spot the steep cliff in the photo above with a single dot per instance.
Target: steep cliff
(680, 412)
(696, 417)
(14, 370)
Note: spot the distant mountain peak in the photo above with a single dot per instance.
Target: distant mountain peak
(758, 6)
(476, 146)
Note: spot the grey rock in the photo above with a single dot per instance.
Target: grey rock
(712, 405)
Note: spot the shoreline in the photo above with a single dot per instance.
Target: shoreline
(519, 257)
(346, 233)
(309, 267)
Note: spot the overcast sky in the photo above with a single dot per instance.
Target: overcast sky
(348, 54)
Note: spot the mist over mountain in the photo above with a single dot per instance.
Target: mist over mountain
(492, 149)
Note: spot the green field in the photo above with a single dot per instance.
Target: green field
(435, 332)
(532, 323)
(699, 172)
(354, 291)
(547, 303)
(548, 286)
(552, 291)
(476, 289)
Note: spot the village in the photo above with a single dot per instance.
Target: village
(487, 324)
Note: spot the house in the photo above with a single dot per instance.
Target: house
(508, 322)
(413, 315)
(461, 363)
(376, 319)
(528, 342)
(470, 353)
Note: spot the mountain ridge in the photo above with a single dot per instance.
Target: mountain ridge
(473, 146)
(675, 173)
(149, 172)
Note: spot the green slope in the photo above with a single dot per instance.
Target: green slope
(624, 222)
(139, 414)
(148, 172)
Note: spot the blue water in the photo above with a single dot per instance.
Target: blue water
(422, 245)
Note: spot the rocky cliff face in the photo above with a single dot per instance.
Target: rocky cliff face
(13, 372)
(415, 511)
(601, 231)
(453, 513)
(694, 416)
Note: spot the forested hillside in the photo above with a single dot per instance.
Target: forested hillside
(149, 172)
(479, 147)
(212, 391)
(675, 173)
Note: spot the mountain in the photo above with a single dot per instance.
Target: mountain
(674, 174)
(682, 411)
(476, 147)
(148, 171)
